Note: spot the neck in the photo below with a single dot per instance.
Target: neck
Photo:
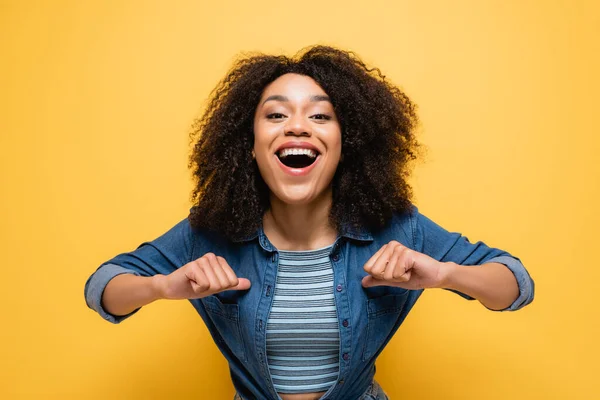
(300, 227)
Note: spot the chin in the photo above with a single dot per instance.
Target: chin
(296, 196)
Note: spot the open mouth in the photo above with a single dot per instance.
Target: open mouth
(297, 158)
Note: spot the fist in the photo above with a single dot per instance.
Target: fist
(207, 275)
(397, 265)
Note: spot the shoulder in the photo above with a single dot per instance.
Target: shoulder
(405, 219)
(207, 241)
(402, 227)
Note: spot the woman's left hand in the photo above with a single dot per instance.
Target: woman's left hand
(397, 265)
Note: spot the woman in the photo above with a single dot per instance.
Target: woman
(303, 252)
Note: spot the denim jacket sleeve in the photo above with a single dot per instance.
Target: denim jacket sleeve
(162, 255)
(438, 243)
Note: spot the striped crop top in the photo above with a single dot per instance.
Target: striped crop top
(302, 329)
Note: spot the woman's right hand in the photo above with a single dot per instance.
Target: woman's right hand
(202, 277)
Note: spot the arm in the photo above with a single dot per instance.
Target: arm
(160, 269)
(126, 293)
(475, 273)
(203, 277)
(127, 275)
(493, 284)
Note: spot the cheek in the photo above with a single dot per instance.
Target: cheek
(258, 146)
(262, 137)
(335, 142)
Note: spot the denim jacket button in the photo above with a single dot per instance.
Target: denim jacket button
(335, 257)
(339, 288)
(345, 356)
(345, 323)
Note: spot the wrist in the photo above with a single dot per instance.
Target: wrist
(446, 272)
(158, 287)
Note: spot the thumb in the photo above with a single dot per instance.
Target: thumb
(243, 284)
(369, 281)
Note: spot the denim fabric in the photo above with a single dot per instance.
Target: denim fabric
(374, 392)
(368, 317)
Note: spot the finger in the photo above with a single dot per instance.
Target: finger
(214, 284)
(395, 263)
(402, 272)
(370, 281)
(369, 264)
(243, 284)
(231, 277)
(378, 269)
(199, 280)
(218, 270)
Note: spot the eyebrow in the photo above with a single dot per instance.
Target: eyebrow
(316, 97)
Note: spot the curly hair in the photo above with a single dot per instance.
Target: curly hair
(377, 120)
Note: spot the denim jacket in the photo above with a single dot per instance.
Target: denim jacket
(368, 317)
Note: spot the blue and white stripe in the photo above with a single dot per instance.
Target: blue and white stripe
(302, 330)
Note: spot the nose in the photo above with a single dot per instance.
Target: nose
(297, 126)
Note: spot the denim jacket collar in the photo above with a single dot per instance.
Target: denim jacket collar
(347, 231)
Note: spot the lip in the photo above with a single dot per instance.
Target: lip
(297, 144)
(296, 171)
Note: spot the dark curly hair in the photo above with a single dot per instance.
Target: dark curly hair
(377, 121)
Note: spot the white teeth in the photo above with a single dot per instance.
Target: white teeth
(296, 152)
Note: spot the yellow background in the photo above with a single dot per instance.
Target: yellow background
(96, 102)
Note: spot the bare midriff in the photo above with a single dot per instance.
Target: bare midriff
(301, 396)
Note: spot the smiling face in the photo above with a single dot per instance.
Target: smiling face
(297, 139)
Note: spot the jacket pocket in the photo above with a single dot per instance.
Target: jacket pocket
(383, 313)
(226, 318)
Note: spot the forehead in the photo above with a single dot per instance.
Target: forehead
(293, 85)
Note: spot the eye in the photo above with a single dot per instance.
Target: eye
(275, 116)
(323, 117)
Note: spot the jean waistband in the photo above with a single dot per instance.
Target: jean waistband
(373, 392)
